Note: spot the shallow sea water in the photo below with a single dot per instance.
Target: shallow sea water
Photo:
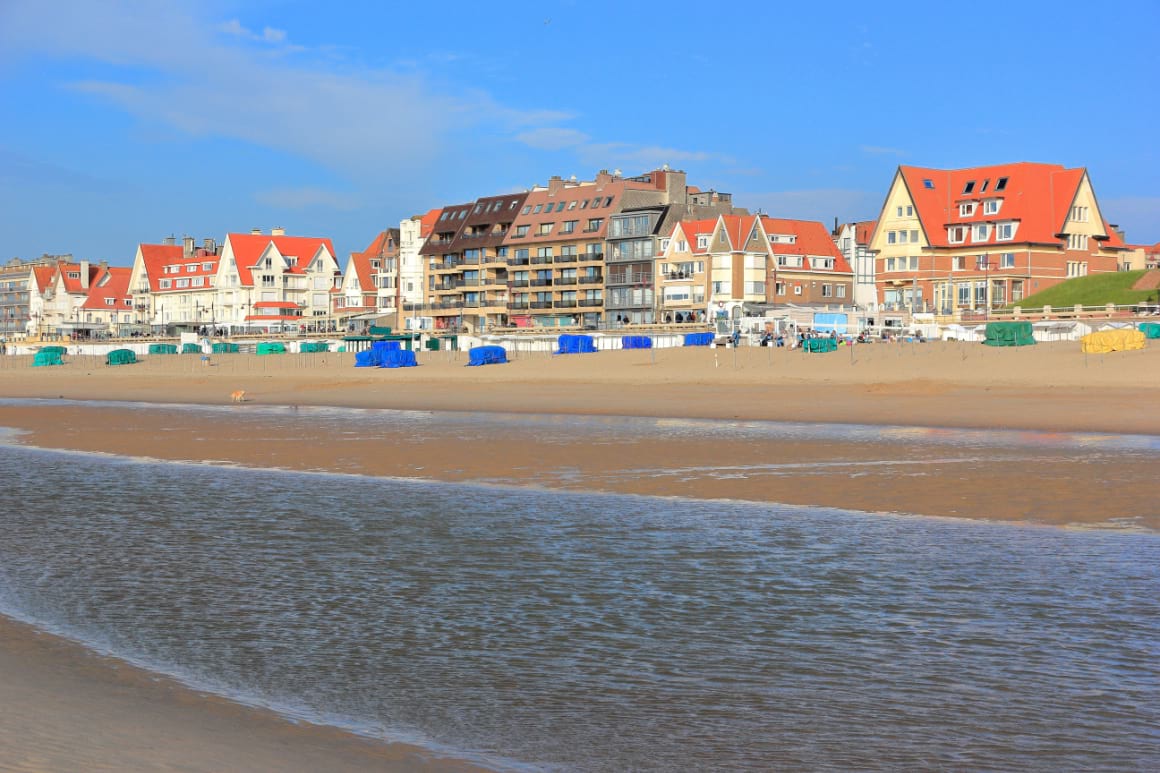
(565, 631)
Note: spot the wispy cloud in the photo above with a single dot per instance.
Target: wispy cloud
(267, 35)
(306, 198)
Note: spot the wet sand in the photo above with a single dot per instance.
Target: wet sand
(65, 708)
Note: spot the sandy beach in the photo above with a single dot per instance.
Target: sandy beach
(68, 709)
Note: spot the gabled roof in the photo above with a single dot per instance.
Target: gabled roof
(811, 239)
(110, 282)
(427, 222)
(444, 228)
(385, 245)
(76, 285)
(737, 229)
(157, 256)
(691, 229)
(863, 230)
(249, 248)
(1037, 195)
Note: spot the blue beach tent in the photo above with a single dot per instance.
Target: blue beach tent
(487, 355)
(636, 342)
(398, 358)
(571, 343)
(698, 339)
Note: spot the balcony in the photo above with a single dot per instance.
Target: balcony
(565, 303)
(676, 276)
(540, 305)
(541, 282)
(519, 305)
(589, 303)
(541, 260)
(570, 280)
(591, 280)
(518, 261)
(519, 283)
(567, 258)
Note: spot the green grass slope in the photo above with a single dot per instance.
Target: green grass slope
(1094, 290)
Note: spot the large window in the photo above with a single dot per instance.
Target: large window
(635, 225)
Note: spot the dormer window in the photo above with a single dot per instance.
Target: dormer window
(702, 241)
(969, 187)
(966, 209)
(957, 234)
(1005, 232)
(983, 187)
(981, 233)
(991, 206)
(928, 184)
(1001, 184)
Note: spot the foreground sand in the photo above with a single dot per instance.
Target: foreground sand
(62, 708)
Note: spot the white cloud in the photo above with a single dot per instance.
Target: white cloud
(306, 198)
(267, 35)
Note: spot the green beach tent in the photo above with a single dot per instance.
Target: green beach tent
(43, 358)
(1008, 334)
(121, 357)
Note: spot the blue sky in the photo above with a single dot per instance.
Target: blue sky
(132, 120)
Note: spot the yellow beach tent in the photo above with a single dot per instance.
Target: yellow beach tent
(1103, 341)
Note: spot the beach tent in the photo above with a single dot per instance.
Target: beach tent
(271, 348)
(1150, 329)
(121, 357)
(1008, 334)
(571, 343)
(398, 358)
(820, 344)
(1103, 341)
(487, 355)
(698, 339)
(191, 348)
(163, 348)
(375, 356)
(224, 348)
(43, 358)
(307, 347)
(55, 349)
(1060, 330)
(636, 342)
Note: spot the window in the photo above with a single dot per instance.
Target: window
(958, 263)
(797, 289)
(1001, 184)
(594, 224)
(928, 184)
(969, 187)
(981, 233)
(957, 234)
(914, 237)
(1007, 260)
(903, 237)
(841, 291)
(571, 205)
(899, 212)
(1077, 241)
(110, 301)
(827, 291)
(964, 291)
(608, 202)
(182, 283)
(569, 226)
(1079, 214)
(536, 211)
(891, 237)
(560, 207)
(544, 229)
(991, 206)
(526, 210)
(909, 211)
(521, 230)
(1005, 232)
(584, 204)
(543, 252)
(824, 264)
(967, 209)
(702, 241)
(890, 263)
(207, 267)
(914, 263)
(664, 244)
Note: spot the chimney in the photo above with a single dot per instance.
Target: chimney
(187, 246)
(278, 231)
(555, 184)
(255, 232)
(85, 274)
(602, 178)
(210, 247)
(170, 240)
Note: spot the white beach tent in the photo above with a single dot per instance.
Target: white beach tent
(956, 332)
(1059, 330)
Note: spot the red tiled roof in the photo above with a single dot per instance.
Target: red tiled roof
(1038, 196)
(249, 248)
(691, 229)
(427, 222)
(110, 283)
(737, 229)
(157, 256)
(812, 239)
(863, 231)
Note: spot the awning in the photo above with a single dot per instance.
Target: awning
(275, 305)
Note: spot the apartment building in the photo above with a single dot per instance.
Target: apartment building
(853, 240)
(108, 309)
(369, 285)
(972, 239)
(806, 267)
(57, 292)
(467, 264)
(15, 280)
(652, 206)
(172, 285)
(274, 281)
(556, 251)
